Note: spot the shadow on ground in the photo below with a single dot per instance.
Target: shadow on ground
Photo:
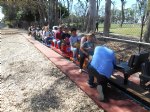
(51, 98)
(44, 101)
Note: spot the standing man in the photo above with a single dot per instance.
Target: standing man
(96, 29)
(102, 67)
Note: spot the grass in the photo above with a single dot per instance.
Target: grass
(127, 29)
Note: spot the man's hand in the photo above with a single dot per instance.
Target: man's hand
(89, 48)
(90, 58)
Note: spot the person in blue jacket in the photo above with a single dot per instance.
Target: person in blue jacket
(102, 67)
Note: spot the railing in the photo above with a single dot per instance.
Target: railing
(138, 43)
(123, 40)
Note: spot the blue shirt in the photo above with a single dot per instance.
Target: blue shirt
(47, 33)
(73, 40)
(103, 61)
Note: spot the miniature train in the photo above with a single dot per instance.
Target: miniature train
(134, 64)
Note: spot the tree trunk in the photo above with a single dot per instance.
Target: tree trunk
(122, 13)
(69, 6)
(107, 17)
(147, 33)
(97, 8)
(56, 12)
(52, 13)
(92, 16)
(49, 12)
(42, 12)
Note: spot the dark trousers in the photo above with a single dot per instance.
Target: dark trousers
(101, 79)
(82, 58)
(96, 29)
(47, 40)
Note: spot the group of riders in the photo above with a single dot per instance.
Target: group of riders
(101, 59)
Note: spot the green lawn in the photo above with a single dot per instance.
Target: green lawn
(127, 29)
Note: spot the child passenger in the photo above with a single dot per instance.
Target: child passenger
(65, 36)
(74, 42)
(47, 36)
(58, 37)
(86, 49)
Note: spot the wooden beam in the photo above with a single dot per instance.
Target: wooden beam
(123, 40)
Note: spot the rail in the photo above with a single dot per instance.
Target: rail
(123, 40)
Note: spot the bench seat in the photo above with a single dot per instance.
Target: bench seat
(133, 65)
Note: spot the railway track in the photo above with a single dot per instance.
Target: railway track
(125, 96)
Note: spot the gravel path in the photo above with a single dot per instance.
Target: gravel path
(31, 83)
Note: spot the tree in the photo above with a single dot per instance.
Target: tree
(82, 7)
(147, 32)
(107, 17)
(40, 11)
(113, 12)
(142, 9)
(122, 12)
(91, 16)
(129, 15)
(7, 10)
(63, 12)
(15, 7)
(97, 7)
(135, 10)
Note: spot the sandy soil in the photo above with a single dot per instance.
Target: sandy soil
(31, 83)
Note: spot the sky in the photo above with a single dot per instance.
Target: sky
(118, 4)
(128, 2)
(1, 14)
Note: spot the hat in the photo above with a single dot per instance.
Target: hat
(89, 34)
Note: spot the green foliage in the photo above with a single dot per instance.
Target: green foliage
(28, 16)
(63, 12)
(148, 5)
(29, 10)
(19, 14)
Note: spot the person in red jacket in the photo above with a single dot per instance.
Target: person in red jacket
(58, 37)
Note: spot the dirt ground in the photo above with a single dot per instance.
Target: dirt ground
(32, 83)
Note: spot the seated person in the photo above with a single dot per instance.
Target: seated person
(95, 40)
(102, 67)
(29, 30)
(47, 35)
(65, 40)
(32, 30)
(74, 43)
(58, 37)
(38, 29)
(55, 28)
(66, 36)
(86, 49)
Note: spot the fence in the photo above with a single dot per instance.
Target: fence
(124, 48)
